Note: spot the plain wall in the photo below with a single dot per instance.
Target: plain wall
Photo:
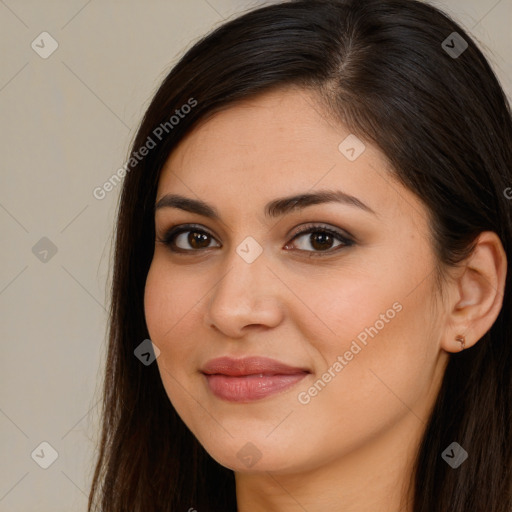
(67, 122)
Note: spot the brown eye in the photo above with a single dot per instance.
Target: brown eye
(187, 239)
(197, 239)
(319, 239)
(315, 240)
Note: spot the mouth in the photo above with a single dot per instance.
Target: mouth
(248, 379)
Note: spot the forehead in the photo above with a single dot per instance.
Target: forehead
(266, 133)
(278, 143)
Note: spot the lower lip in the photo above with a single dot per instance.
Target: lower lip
(250, 387)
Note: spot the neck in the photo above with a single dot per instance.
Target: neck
(371, 477)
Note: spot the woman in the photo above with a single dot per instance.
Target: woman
(313, 232)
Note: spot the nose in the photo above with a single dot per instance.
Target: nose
(246, 296)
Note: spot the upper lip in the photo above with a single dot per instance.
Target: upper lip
(249, 366)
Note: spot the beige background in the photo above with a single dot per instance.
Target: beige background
(67, 122)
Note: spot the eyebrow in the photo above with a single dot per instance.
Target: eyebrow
(275, 208)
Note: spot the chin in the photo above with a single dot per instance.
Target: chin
(253, 465)
(251, 457)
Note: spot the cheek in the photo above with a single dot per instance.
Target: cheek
(155, 306)
(166, 307)
(168, 311)
(167, 301)
(377, 341)
(383, 361)
(384, 379)
(171, 306)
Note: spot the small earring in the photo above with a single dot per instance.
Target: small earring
(461, 340)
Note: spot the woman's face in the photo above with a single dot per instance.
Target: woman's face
(349, 306)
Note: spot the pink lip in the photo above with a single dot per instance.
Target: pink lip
(250, 378)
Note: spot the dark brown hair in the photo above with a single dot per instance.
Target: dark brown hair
(444, 123)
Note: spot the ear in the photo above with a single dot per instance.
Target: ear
(476, 294)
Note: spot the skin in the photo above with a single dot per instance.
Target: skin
(352, 446)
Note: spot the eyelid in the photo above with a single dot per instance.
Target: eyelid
(174, 231)
(342, 236)
(345, 240)
(319, 226)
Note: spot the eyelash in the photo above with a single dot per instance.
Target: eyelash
(168, 238)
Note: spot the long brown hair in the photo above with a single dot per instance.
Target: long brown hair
(384, 69)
